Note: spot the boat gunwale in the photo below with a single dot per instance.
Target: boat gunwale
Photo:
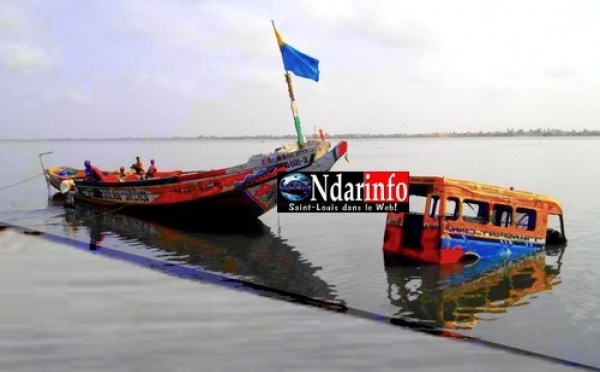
(190, 177)
(309, 150)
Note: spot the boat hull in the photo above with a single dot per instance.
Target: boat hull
(245, 191)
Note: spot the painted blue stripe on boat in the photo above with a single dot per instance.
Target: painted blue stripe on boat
(492, 240)
(486, 248)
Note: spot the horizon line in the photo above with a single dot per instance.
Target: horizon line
(506, 133)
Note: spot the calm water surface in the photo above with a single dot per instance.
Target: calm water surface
(547, 303)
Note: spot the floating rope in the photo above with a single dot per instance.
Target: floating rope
(21, 182)
(47, 223)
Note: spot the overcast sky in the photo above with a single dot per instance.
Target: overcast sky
(156, 68)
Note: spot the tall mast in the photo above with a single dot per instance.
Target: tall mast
(293, 105)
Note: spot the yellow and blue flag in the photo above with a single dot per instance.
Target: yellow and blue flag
(297, 62)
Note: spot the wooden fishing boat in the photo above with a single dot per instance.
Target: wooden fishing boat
(454, 220)
(241, 191)
(244, 190)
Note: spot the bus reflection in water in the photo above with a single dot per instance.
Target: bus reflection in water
(458, 297)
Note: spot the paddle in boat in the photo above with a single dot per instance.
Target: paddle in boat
(244, 190)
(455, 220)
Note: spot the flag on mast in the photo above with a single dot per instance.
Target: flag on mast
(295, 61)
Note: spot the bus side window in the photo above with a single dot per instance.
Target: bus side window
(416, 204)
(434, 206)
(475, 211)
(525, 219)
(502, 215)
(452, 209)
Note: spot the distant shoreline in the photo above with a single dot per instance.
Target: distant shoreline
(497, 134)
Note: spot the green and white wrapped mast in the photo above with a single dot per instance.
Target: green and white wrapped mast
(301, 65)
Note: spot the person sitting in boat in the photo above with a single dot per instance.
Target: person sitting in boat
(122, 174)
(92, 173)
(151, 169)
(138, 167)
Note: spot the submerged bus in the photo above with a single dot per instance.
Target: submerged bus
(455, 220)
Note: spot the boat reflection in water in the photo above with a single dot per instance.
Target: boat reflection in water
(458, 297)
(250, 253)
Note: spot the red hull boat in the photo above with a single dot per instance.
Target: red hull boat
(245, 190)
(248, 189)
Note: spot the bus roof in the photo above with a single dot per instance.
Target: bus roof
(485, 190)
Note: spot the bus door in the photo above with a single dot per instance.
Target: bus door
(430, 238)
(412, 229)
